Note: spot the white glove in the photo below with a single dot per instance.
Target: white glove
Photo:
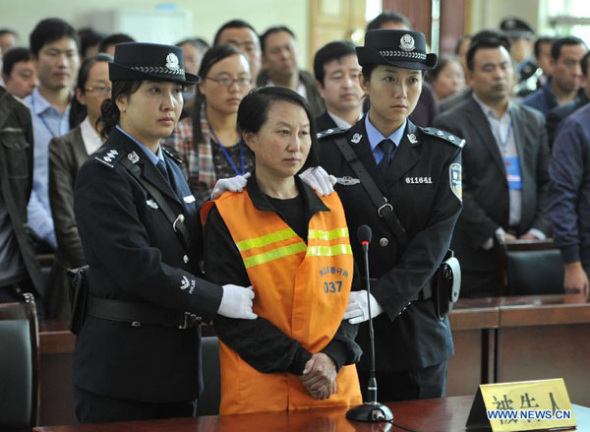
(232, 184)
(319, 180)
(236, 302)
(358, 308)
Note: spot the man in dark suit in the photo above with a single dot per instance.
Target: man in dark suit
(418, 171)
(505, 167)
(279, 61)
(337, 72)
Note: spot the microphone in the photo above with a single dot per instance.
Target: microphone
(370, 410)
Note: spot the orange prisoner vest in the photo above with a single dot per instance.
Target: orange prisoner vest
(302, 289)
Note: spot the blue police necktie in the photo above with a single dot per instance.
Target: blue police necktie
(388, 148)
(164, 171)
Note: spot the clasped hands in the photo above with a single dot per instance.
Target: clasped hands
(319, 376)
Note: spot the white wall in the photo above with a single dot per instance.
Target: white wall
(487, 14)
(208, 15)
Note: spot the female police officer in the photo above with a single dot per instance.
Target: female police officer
(137, 354)
(418, 172)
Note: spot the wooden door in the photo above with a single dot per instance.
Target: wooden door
(332, 20)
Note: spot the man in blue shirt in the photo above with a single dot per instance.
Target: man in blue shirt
(55, 48)
(562, 88)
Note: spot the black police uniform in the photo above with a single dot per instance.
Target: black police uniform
(136, 256)
(412, 345)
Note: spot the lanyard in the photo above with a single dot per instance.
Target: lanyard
(504, 142)
(41, 117)
(227, 156)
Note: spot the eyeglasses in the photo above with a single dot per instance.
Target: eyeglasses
(242, 82)
(100, 89)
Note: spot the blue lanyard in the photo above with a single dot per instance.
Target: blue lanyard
(41, 117)
(227, 156)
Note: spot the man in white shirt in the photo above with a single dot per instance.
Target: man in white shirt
(337, 73)
(55, 48)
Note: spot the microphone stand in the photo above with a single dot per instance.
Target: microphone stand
(371, 410)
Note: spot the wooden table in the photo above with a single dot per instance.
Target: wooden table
(429, 415)
(497, 339)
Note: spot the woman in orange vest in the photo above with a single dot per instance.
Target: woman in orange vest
(292, 246)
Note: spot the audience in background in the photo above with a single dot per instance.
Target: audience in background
(461, 52)
(504, 167)
(542, 52)
(569, 199)
(55, 48)
(19, 268)
(107, 45)
(279, 59)
(447, 77)
(242, 35)
(90, 41)
(557, 114)
(209, 143)
(337, 72)
(193, 51)
(8, 39)
(67, 153)
(522, 36)
(18, 72)
(563, 86)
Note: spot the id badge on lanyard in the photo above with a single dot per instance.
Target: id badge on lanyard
(512, 166)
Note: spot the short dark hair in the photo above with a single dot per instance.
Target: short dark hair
(388, 16)
(8, 31)
(271, 31)
(114, 39)
(584, 64)
(78, 112)
(460, 42)
(330, 52)
(236, 23)
(443, 61)
(254, 108)
(14, 56)
(484, 40)
(50, 30)
(540, 41)
(89, 38)
(200, 44)
(564, 41)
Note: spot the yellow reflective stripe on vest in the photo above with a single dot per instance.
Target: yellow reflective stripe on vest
(329, 250)
(274, 254)
(265, 240)
(328, 235)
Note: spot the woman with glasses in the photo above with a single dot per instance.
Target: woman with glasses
(67, 153)
(209, 143)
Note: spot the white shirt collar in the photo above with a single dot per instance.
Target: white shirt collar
(91, 138)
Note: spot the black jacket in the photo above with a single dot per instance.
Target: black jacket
(486, 195)
(16, 177)
(135, 255)
(324, 122)
(407, 336)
